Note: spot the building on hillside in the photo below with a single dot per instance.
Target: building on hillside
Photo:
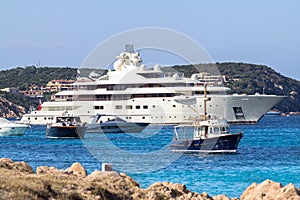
(59, 85)
(32, 92)
(13, 90)
(209, 79)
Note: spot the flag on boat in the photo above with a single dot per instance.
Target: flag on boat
(40, 105)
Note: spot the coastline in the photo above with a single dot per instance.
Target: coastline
(18, 180)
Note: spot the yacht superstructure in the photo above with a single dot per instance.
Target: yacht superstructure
(138, 94)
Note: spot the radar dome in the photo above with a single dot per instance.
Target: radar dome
(194, 77)
(176, 76)
(157, 68)
(117, 65)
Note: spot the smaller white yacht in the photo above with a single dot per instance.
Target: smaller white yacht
(8, 128)
(114, 124)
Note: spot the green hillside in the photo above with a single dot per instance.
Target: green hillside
(24, 77)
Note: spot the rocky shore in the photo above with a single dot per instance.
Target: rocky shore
(9, 109)
(19, 181)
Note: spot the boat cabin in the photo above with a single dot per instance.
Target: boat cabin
(67, 120)
(202, 129)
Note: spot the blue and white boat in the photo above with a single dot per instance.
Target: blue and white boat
(114, 124)
(206, 134)
(66, 126)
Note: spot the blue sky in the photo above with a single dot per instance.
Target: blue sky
(62, 33)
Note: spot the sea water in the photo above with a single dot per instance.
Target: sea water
(269, 149)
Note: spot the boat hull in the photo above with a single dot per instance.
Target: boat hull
(227, 143)
(235, 108)
(13, 130)
(117, 127)
(65, 132)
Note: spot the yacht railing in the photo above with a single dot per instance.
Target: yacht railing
(174, 75)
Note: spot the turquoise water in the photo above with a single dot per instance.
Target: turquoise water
(269, 149)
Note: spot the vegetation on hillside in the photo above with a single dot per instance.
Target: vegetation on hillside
(25, 77)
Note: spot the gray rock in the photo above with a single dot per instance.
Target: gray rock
(19, 166)
(76, 169)
(270, 190)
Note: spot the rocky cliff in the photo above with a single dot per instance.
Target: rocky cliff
(9, 109)
(18, 181)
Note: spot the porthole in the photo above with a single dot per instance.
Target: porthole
(118, 107)
(128, 107)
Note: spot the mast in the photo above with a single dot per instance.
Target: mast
(204, 105)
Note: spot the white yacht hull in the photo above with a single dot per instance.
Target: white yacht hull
(235, 108)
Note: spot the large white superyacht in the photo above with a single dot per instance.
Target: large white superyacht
(140, 94)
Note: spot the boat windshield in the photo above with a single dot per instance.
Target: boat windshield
(2, 120)
(183, 132)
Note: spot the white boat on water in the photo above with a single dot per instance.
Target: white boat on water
(148, 95)
(114, 124)
(12, 128)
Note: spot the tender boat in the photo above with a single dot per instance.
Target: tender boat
(114, 124)
(12, 128)
(66, 127)
(207, 134)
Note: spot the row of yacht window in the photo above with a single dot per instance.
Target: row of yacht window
(110, 97)
(110, 87)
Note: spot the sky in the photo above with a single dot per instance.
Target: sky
(63, 33)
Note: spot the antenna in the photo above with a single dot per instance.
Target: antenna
(129, 48)
(204, 105)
